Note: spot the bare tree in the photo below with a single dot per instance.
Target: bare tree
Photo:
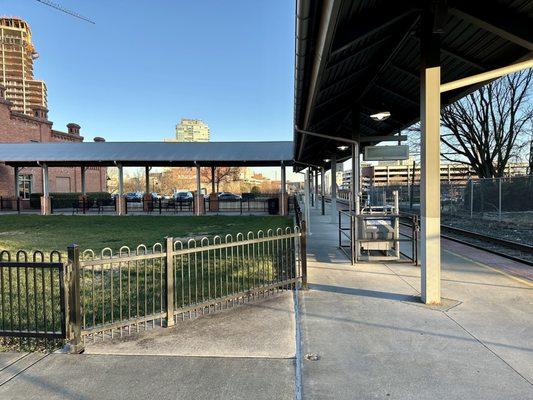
(488, 127)
(222, 175)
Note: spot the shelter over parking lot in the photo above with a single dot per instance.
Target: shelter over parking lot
(146, 154)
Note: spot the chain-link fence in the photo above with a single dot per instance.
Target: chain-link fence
(500, 199)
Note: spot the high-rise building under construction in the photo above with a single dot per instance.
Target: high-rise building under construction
(16, 67)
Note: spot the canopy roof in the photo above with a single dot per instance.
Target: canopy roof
(358, 57)
(148, 153)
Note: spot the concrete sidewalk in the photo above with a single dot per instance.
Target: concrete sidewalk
(244, 352)
(262, 328)
(375, 339)
(103, 377)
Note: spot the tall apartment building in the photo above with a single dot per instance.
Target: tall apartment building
(191, 130)
(16, 67)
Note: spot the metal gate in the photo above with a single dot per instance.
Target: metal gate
(32, 295)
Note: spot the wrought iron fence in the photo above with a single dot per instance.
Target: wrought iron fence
(137, 289)
(10, 204)
(114, 293)
(32, 295)
(247, 203)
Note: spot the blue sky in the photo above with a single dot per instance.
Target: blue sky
(148, 63)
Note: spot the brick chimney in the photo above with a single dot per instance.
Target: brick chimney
(99, 139)
(73, 129)
(40, 112)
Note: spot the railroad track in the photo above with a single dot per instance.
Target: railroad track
(515, 251)
(518, 252)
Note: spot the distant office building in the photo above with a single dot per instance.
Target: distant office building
(400, 172)
(191, 130)
(16, 67)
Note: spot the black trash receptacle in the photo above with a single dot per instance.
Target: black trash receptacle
(273, 206)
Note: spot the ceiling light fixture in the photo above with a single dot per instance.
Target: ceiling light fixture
(327, 160)
(380, 116)
(342, 148)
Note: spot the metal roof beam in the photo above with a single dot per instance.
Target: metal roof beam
(486, 76)
(359, 51)
(498, 20)
(389, 57)
(344, 78)
(371, 23)
(398, 95)
(405, 72)
(457, 55)
(463, 58)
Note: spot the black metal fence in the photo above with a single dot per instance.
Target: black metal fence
(32, 295)
(247, 203)
(250, 204)
(9, 204)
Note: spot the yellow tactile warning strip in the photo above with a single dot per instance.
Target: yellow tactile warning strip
(510, 276)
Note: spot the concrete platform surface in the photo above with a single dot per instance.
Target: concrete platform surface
(7, 358)
(99, 377)
(375, 340)
(261, 328)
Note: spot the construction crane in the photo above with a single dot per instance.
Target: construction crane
(65, 10)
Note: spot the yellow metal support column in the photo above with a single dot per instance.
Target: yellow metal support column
(430, 157)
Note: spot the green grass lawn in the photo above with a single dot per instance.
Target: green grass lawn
(56, 232)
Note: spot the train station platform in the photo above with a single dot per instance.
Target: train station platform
(366, 334)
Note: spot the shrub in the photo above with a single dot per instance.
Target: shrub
(65, 200)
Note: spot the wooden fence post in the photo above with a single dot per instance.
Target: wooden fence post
(75, 343)
(303, 253)
(170, 281)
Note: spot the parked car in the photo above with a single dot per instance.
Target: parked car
(248, 196)
(133, 196)
(184, 195)
(229, 196)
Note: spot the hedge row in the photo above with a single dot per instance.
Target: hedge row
(65, 200)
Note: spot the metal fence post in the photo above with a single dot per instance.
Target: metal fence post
(170, 281)
(499, 199)
(471, 198)
(75, 344)
(303, 253)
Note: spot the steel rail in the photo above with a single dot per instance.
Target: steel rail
(504, 242)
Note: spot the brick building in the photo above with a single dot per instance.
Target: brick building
(16, 127)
